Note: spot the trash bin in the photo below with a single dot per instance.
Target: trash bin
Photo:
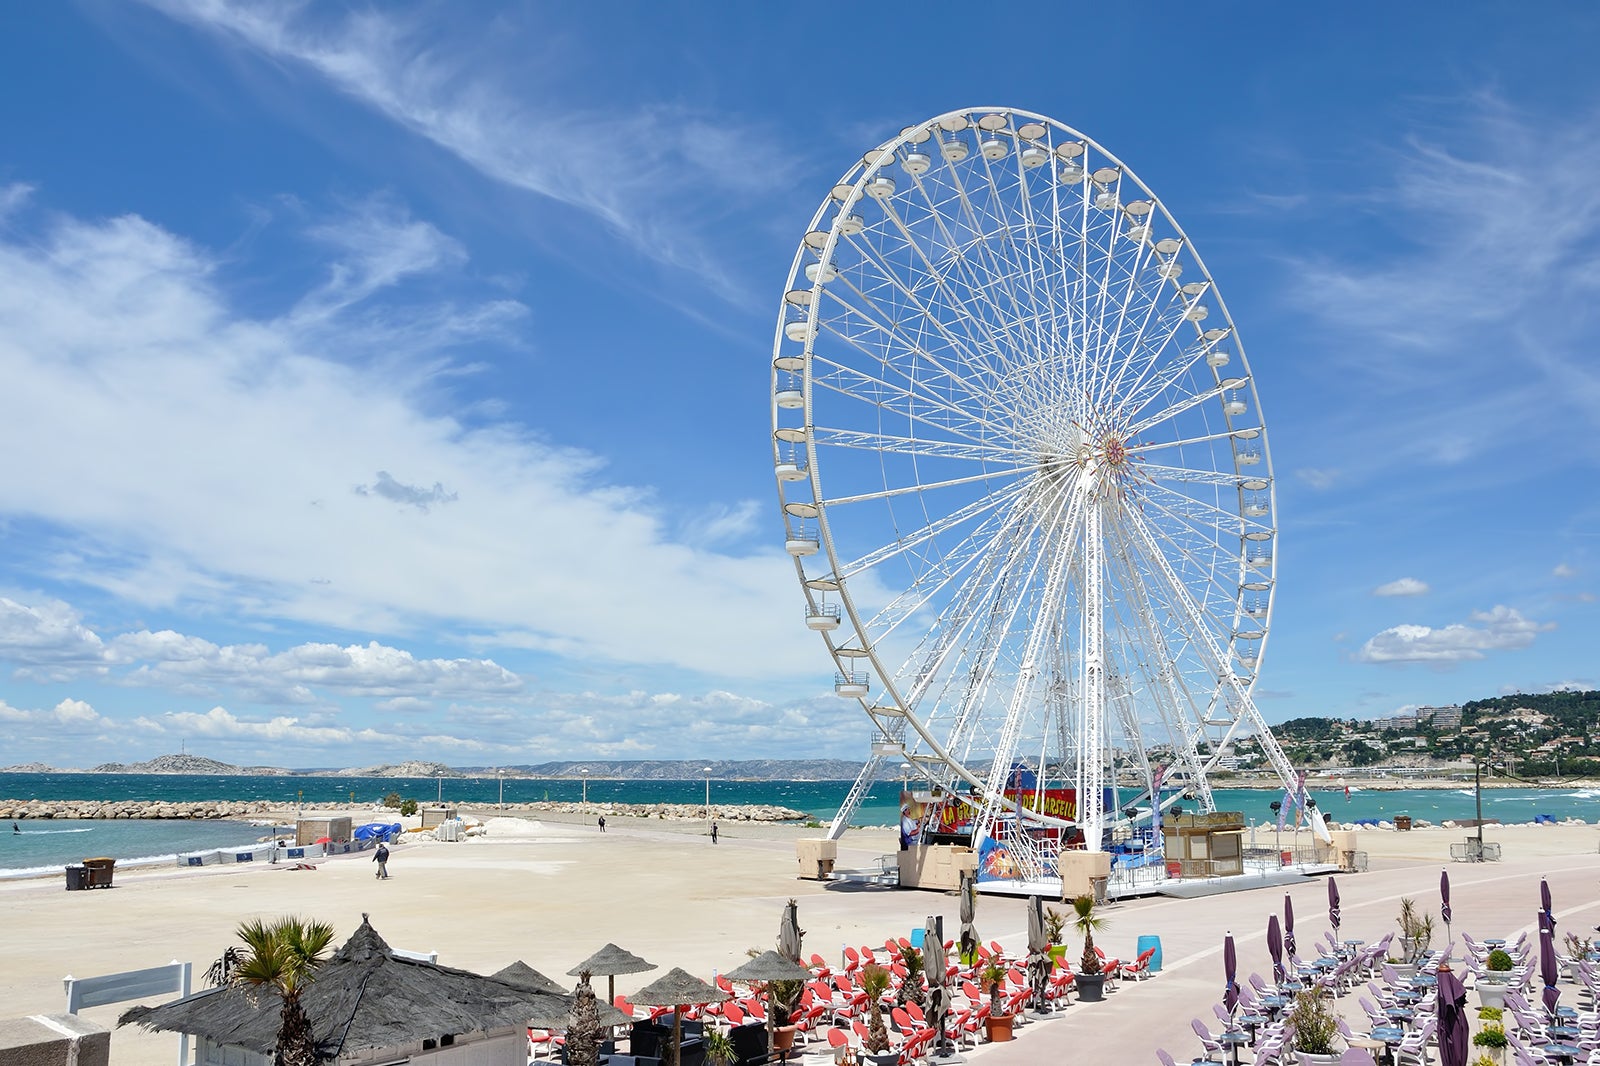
(1145, 943)
(1402, 822)
(77, 878)
(1287, 858)
(99, 872)
(1099, 886)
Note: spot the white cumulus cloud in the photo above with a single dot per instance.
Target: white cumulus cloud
(1498, 629)
(1405, 586)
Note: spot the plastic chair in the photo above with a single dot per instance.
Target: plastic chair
(1207, 1041)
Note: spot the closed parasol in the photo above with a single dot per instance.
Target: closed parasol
(1444, 902)
(790, 935)
(1333, 906)
(1453, 1022)
(1230, 974)
(936, 968)
(1038, 955)
(678, 989)
(1275, 948)
(1288, 925)
(1549, 969)
(969, 915)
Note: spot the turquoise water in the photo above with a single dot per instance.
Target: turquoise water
(53, 843)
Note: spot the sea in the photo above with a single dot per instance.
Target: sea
(44, 846)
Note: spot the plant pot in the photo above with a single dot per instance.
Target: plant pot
(1058, 952)
(882, 1058)
(783, 1038)
(998, 1027)
(1091, 987)
(1491, 992)
(1306, 1058)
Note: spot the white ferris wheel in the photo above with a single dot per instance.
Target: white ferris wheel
(1023, 471)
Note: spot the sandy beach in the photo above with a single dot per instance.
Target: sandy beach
(550, 893)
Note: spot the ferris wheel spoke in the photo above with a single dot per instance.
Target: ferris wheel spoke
(857, 386)
(906, 490)
(1188, 554)
(1173, 410)
(1146, 447)
(1160, 474)
(895, 444)
(907, 540)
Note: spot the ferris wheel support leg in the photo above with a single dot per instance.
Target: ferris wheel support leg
(1091, 801)
(858, 792)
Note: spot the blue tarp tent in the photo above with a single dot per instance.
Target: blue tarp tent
(378, 831)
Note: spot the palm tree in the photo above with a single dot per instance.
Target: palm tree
(1086, 921)
(284, 956)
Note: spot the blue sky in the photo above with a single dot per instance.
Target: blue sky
(383, 382)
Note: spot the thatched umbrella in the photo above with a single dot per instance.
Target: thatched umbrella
(521, 975)
(608, 962)
(677, 988)
(935, 967)
(767, 967)
(969, 914)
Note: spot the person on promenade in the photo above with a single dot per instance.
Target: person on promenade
(713, 831)
(381, 857)
(602, 823)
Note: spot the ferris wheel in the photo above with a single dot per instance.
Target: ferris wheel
(1023, 471)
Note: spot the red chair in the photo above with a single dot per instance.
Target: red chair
(852, 960)
(733, 1013)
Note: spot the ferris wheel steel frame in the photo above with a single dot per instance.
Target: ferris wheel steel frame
(980, 350)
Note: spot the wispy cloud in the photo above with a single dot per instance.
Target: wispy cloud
(646, 172)
(1564, 572)
(1405, 586)
(1498, 629)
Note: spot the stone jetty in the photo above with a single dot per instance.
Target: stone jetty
(247, 809)
(234, 809)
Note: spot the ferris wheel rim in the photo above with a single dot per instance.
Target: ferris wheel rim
(853, 185)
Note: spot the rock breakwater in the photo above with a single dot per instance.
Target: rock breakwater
(135, 809)
(673, 812)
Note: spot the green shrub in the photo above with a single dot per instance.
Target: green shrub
(408, 807)
(1491, 1014)
(1499, 960)
(392, 800)
(1491, 1036)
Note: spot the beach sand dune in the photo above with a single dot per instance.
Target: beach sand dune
(551, 893)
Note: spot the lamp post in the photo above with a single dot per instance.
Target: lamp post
(584, 770)
(905, 775)
(501, 774)
(707, 771)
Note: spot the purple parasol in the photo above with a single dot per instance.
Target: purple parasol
(1547, 917)
(1453, 1023)
(1230, 967)
(1275, 948)
(1549, 970)
(1444, 898)
(1333, 905)
(1288, 925)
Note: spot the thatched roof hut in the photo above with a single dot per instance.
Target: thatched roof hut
(364, 1000)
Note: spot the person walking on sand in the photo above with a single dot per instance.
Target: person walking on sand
(602, 823)
(381, 857)
(713, 832)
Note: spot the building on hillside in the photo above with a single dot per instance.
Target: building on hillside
(1448, 717)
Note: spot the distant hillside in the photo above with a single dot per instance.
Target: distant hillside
(694, 769)
(402, 769)
(168, 764)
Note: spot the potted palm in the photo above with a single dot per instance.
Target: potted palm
(719, 1047)
(1090, 979)
(998, 1024)
(1578, 950)
(875, 983)
(1055, 927)
(782, 998)
(1315, 1029)
(1416, 935)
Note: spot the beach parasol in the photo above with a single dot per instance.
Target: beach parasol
(1230, 972)
(1275, 949)
(969, 914)
(765, 968)
(936, 968)
(1038, 954)
(677, 988)
(553, 1007)
(1453, 1023)
(1549, 969)
(1547, 917)
(521, 975)
(1333, 906)
(1444, 903)
(1288, 925)
(608, 962)
(790, 934)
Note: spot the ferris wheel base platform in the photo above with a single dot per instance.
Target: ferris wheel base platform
(1179, 888)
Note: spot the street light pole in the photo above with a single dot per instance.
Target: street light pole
(501, 774)
(707, 771)
(585, 772)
